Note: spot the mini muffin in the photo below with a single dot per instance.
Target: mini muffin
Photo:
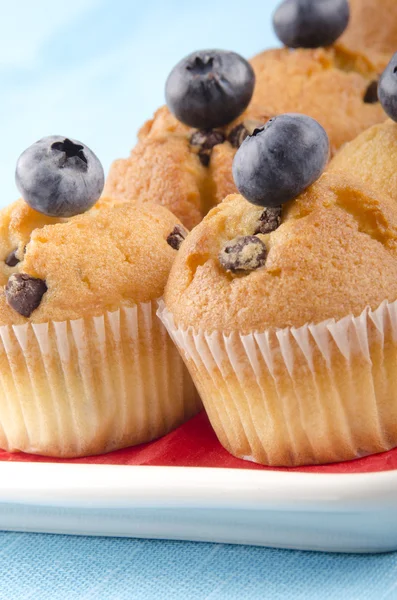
(85, 365)
(372, 156)
(286, 319)
(186, 170)
(371, 33)
(186, 165)
(184, 154)
(317, 82)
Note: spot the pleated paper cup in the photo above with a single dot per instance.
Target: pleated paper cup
(288, 397)
(91, 385)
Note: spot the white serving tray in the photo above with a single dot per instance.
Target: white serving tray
(309, 511)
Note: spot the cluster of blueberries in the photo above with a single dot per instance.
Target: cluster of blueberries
(61, 177)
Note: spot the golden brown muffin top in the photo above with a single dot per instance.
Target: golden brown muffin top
(90, 263)
(167, 168)
(320, 83)
(334, 253)
(372, 158)
(372, 31)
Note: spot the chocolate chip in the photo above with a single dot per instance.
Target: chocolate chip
(24, 293)
(245, 253)
(371, 93)
(206, 140)
(12, 260)
(243, 130)
(238, 135)
(176, 237)
(269, 220)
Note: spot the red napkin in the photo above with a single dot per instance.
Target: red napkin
(194, 444)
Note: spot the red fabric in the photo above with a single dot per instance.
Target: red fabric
(194, 444)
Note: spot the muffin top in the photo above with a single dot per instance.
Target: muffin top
(57, 269)
(372, 31)
(321, 83)
(189, 171)
(184, 169)
(332, 252)
(372, 158)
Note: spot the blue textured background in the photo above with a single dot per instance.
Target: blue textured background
(95, 70)
(47, 567)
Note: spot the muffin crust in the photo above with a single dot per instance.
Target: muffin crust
(92, 263)
(334, 254)
(372, 159)
(372, 32)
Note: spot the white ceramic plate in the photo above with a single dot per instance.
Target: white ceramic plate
(330, 512)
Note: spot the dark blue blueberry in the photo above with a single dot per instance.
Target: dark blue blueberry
(310, 23)
(281, 159)
(387, 89)
(59, 177)
(209, 88)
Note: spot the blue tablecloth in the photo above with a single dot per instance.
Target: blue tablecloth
(48, 567)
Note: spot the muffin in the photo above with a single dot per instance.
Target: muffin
(371, 33)
(85, 365)
(185, 170)
(286, 320)
(372, 155)
(189, 170)
(319, 83)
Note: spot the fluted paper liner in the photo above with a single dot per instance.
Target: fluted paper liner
(91, 385)
(287, 397)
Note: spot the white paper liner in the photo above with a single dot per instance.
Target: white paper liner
(91, 385)
(308, 395)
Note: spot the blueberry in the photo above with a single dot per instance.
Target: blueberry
(281, 159)
(387, 89)
(59, 177)
(209, 88)
(310, 23)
